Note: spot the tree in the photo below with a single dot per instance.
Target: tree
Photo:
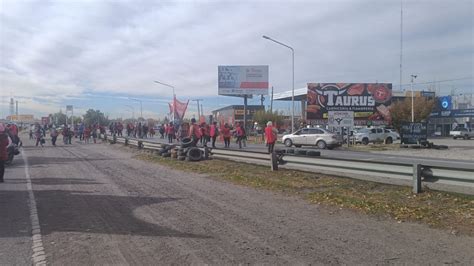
(401, 110)
(262, 117)
(58, 118)
(95, 116)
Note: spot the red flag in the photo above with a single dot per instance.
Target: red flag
(178, 108)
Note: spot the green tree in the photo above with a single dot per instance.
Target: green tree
(401, 110)
(262, 117)
(58, 118)
(95, 116)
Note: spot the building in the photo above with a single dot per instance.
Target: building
(450, 112)
(235, 113)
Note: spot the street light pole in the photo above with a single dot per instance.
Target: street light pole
(174, 95)
(413, 77)
(141, 107)
(133, 111)
(199, 110)
(293, 88)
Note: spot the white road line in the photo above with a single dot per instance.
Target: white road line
(39, 256)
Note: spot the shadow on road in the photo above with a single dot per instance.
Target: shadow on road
(76, 211)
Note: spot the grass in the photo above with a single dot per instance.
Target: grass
(438, 209)
(373, 147)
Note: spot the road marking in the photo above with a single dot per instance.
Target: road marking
(39, 256)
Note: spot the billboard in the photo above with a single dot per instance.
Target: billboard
(445, 103)
(242, 80)
(20, 118)
(367, 100)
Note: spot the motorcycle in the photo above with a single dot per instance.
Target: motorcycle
(12, 150)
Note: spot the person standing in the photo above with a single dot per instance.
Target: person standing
(226, 135)
(5, 141)
(54, 135)
(194, 132)
(271, 134)
(213, 133)
(38, 135)
(87, 134)
(170, 132)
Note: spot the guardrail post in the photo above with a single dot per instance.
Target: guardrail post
(417, 178)
(274, 161)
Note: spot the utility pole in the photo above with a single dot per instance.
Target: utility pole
(413, 77)
(199, 110)
(271, 102)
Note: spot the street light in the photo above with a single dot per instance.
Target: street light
(141, 107)
(174, 95)
(133, 110)
(413, 77)
(293, 88)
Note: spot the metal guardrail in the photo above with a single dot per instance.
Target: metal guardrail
(435, 176)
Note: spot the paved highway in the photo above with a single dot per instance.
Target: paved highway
(96, 204)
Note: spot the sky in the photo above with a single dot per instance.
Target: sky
(99, 54)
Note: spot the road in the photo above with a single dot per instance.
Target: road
(97, 205)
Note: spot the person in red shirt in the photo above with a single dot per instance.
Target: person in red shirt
(270, 136)
(213, 133)
(226, 135)
(239, 133)
(4, 143)
(194, 132)
(170, 132)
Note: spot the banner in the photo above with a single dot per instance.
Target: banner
(178, 108)
(412, 133)
(341, 118)
(369, 100)
(242, 80)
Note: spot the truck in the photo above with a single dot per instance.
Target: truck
(373, 135)
(462, 132)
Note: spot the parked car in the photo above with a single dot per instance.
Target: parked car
(461, 132)
(319, 137)
(373, 135)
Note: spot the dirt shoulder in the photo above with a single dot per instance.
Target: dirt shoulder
(454, 212)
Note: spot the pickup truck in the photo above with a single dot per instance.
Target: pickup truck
(460, 132)
(374, 135)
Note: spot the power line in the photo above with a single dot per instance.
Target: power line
(432, 82)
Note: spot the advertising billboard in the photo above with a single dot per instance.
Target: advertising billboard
(445, 103)
(367, 100)
(242, 80)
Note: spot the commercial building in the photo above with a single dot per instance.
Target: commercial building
(235, 113)
(451, 112)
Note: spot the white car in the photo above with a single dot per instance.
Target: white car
(312, 137)
(393, 133)
(373, 135)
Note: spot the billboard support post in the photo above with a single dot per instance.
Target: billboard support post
(245, 112)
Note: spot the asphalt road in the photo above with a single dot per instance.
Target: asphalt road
(98, 205)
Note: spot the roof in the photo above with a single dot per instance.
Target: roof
(239, 106)
(300, 95)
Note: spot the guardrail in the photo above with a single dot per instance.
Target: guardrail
(440, 177)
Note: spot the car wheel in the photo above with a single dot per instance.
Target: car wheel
(466, 137)
(321, 144)
(365, 141)
(454, 137)
(288, 143)
(389, 140)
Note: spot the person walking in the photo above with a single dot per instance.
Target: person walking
(54, 135)
(38, 135)
(94, 134)
(213, 133)
(87, 134)
(238, 134)
(226, 135)
(5, 141)
(271, 134)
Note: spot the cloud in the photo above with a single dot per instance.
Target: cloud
(63, 50)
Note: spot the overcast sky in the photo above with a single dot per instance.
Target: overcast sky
(98, 53)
